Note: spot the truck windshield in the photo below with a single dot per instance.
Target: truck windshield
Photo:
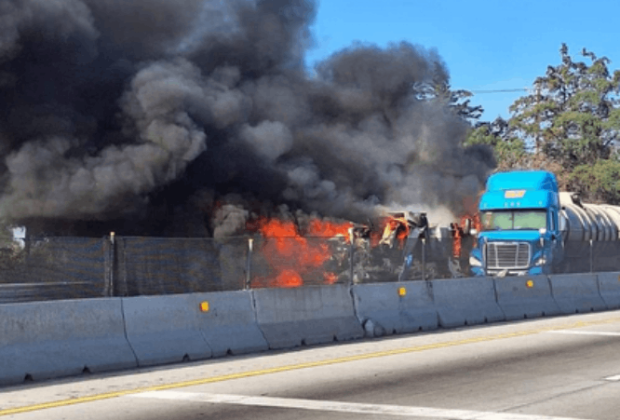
(514, 220)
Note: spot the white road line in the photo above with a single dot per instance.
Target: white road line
(341, 407)
(613, 378)
(602, 333)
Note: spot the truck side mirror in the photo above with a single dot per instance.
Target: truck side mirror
(542, 231)
(563, 223)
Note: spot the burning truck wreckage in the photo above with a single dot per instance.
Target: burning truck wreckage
(398, 246)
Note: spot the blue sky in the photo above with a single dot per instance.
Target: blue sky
(486, 44)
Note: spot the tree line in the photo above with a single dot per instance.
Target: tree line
(568, 123)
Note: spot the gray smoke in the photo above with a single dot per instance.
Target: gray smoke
(188, 116)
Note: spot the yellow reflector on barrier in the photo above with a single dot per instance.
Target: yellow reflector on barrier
(204, 306)
(529, 284)
(402, 291)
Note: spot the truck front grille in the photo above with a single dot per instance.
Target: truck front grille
(508, 255)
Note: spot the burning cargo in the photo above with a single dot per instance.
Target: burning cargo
(427, 251)
(397, 247)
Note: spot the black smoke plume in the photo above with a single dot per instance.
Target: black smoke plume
(185, 117)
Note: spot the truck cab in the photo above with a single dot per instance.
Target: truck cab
(520, 232)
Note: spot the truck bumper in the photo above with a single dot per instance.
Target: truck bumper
(532, 271)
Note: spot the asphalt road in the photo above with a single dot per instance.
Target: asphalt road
(550, 369)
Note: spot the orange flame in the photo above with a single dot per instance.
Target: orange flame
(328, 229)
(458, 232)
(397, 227)
(330, 278)
(288, 278)
(292, 256)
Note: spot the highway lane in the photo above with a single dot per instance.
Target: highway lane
(550, 369)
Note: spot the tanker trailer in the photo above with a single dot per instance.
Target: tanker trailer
(591, 236)
(529, 227)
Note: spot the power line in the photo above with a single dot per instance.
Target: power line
(500, 90)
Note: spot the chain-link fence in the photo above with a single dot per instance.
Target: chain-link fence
(293, 262)
(66, 268)
(591, 257)
(605, 256)
(159, 266)
(55, 268)
(423, 258)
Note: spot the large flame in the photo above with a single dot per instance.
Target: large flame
(459, 230)
(396, 228)
(290, 257)
(469, 220)
(295, 259)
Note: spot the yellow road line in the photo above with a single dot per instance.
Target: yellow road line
(241, 375)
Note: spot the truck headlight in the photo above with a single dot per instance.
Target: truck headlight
(474, 262)
(541, 261)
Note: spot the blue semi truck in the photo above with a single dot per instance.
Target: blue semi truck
(528, 227)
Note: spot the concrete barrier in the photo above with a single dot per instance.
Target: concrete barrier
(525, 297)
(308, 315)
(609, 288)
(164, 329)
(229, 325)
(391, 313)
(576, 293)
(43, 340)
(466, 302)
